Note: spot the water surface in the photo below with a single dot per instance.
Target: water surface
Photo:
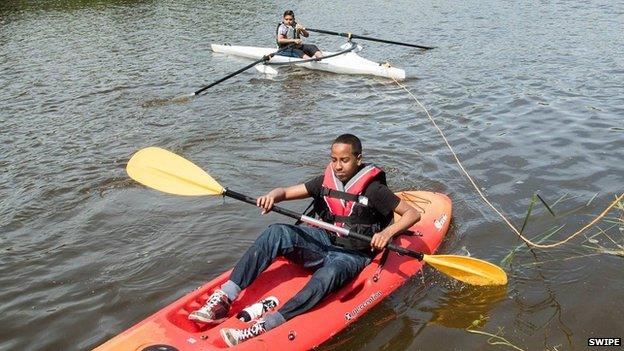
(529, 94)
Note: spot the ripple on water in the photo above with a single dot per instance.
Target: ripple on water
(79, 237)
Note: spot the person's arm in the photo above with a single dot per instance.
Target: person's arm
(276, 195)
(281, 39)
(409, 217)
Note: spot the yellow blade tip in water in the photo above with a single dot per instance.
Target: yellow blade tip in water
(468, 269)
(165, 171)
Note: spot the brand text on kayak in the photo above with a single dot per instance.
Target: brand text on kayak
(362, 306)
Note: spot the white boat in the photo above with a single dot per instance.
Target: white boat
(347, 63)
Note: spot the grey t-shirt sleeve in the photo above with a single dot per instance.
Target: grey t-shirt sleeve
(282, 30)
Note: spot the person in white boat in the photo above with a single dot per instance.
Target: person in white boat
(289, 33)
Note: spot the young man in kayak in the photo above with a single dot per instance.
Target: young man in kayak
(289, 33)
(350, 194)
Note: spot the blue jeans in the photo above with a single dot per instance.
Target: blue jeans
(310, 247)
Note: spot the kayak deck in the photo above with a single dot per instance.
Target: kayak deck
(171, 327)
(348, 63)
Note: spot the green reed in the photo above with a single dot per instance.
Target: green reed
(590, 243)
(617, 221)
(498, 339)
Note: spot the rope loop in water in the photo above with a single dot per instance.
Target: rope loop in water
(617, 200)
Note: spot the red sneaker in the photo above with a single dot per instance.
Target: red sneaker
(215, 310)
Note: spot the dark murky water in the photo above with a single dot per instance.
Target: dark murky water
(529, 94)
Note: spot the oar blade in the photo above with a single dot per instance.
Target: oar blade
(468, 269)
(165, 171)
(183, 98)
(266, 69)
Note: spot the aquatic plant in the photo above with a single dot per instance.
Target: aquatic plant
(495, 339)
(590, 242)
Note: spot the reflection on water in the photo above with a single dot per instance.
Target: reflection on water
(465, 307)
(542, 309)
(389, 327)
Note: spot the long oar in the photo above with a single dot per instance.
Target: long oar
(184, 98)
(170, 173)
(355, 36)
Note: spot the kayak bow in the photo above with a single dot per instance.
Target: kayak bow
(171, 330)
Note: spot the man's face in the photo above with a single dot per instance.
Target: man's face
(289, 20)
(343, 162)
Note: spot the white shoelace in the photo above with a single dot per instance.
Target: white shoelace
(252, 331)
(268, 304)
(214, 300)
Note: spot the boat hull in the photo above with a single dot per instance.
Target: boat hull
(348, 63)
(170, 326)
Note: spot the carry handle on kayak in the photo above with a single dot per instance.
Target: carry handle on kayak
(313, 221)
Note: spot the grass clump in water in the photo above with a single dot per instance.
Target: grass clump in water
(495, 339)
(592, 243)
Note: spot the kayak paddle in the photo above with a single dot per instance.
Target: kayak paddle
(165, 171)
(355, 36)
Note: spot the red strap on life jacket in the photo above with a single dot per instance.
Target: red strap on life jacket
(356, 185)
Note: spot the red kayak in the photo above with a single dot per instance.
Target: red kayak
(169, 329)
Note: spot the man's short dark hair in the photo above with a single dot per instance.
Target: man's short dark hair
(350, 139)
(289, 13)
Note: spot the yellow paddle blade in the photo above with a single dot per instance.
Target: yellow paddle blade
(468, 269)
(165, 171)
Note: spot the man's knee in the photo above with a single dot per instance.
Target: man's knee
(332, 276)
(282, 229)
